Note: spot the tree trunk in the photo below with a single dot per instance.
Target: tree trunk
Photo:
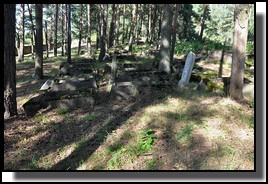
(118, 24)
(103, 38)
(124, 19)
(69, 33)
(66, 30)
(80, 29)
(10, 103)
(133, 23)
(62, 31)
(39, 41)
(33, 31)
(174, 31)
(164, 63)
(88, 29)
(112, 26)
(159, 24)
(47, 50)
(137, 26)
(21, 33)
(98, 30)
(149, 33)
(241, 16)
(222, 58)
(154, 25)
(55, 30)
(203, 21)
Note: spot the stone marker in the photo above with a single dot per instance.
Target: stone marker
(48, 84)
(201, 86)
(124, 90)
(187, 70)
(113, 68)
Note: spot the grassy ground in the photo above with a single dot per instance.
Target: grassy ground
(160, 129)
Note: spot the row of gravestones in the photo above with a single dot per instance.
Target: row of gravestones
(69, 90)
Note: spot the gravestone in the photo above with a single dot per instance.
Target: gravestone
(47, 85)
(187, 70)
(113, 68)
(123, 90)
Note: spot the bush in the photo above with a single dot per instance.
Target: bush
(250, 48)
(184, 48)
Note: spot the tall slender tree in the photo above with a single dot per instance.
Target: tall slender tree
(21, 35)
(241, 16)
(103, 38)
(123, 26)
(112, 27)
(69, 33)
(55, 30)
(133, 23)
(80, 29)
(10, 103)
(164, 63)
(62, 30)
(46, 38)
(174, 31)
(203, 20)
(118, 24)
(149, 32)
(39, 41)
(88, 29)
(33, 37)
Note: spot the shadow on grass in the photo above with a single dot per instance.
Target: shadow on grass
(89, 136)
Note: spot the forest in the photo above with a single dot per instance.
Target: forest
(129, 87)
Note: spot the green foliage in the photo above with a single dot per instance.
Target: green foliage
(184, 48)
(63, 111)
(114, 147)
(41, 119)
(90, 117)
(147, 140)
(250, 48)
(230, 151)
(212, 45)
(137, 48)
(251, 103)
(154, 164)
(185, 134)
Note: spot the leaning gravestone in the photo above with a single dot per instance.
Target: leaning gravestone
(187, 70)
(113, 68)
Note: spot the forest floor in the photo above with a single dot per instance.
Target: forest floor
(159, 129)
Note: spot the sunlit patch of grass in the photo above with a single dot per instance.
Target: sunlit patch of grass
(41, 118)
(184, 136)
(229, 151)
(99, 167)
(230, 167)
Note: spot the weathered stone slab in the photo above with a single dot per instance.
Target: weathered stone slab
(78, 102)
(248, 90)
(187, 70)
(121, 92)
(85, 85)
(54, 99)
(113, 68)
(48, 84)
